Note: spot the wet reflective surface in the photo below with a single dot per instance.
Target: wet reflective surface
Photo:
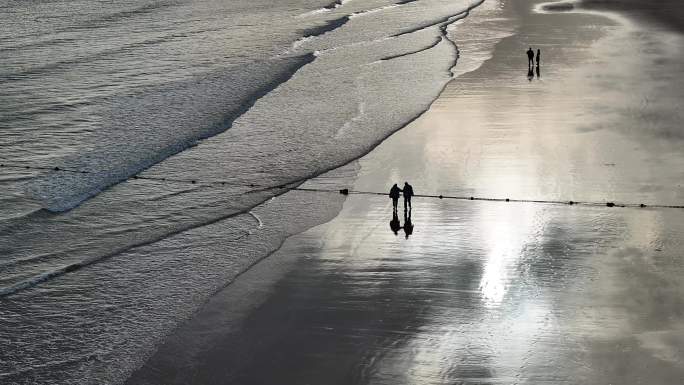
(111, 89)
(485, 292)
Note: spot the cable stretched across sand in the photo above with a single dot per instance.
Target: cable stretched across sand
(345, 191)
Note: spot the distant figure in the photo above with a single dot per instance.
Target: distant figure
(394, 223)
(408, 193)
(394, 195)
(408, 226)
(538, 56)
(530, 57)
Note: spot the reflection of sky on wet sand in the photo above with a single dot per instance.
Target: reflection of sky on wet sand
(499, 293)
(536, 293)
(471, 334)
(481, 289)
(506, 236)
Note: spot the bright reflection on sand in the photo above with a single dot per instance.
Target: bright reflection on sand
(507, 233)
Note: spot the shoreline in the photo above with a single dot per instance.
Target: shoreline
(269, 269)
(142, 294)
(348, 302)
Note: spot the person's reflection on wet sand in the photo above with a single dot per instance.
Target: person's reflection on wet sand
(538, 72)
(394, 223)
(530, 73)
(408, 225)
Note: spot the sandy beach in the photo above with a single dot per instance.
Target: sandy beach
(485, 292)
(668, 13)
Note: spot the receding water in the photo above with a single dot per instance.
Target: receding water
(97, 267)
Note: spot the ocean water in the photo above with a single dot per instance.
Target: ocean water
(248, 99)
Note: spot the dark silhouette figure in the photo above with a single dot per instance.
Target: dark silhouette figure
(394, 223)
(408, 193)
(408, 225)
(530, 58)
(538, 56)
(394, 195)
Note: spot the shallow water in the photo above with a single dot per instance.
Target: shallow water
(97, 267)
(300, 125)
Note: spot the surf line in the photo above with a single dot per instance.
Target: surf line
(295, 185)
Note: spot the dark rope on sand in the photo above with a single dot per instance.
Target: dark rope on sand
(292, 186)
(488, 199)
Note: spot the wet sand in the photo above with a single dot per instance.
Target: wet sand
(668, 12)
(485, 292)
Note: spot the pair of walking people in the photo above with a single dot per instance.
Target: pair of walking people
(531, 58)
(396, 192)
(530, 64)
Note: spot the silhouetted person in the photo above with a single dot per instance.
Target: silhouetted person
(394, 223)
(538, 56)
(394, 195)
(408, 193)
(408, 226)
(530, 57)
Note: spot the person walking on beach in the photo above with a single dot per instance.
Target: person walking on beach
(394, 195)
(530, 58)
(538, 56)
(408, 193)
